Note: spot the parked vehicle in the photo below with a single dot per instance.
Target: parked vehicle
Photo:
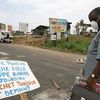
(6, 37)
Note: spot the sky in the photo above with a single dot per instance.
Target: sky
(38, 12)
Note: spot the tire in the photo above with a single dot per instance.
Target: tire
(2, 40)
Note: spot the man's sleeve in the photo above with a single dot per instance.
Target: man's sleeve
(98, 51)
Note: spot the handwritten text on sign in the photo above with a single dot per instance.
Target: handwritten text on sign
(15, 78)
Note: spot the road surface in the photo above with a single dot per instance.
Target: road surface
(45, 64)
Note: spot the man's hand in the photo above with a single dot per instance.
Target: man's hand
(91, 83)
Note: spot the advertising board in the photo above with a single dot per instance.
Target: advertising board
(57, 25)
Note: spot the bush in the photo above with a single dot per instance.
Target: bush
(77, 44)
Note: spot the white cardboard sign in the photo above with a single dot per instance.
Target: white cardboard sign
(59, 36)
(53, 37)
(15, 78)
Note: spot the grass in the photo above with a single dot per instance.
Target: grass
(76, 44)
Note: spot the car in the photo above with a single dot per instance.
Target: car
(6, 37)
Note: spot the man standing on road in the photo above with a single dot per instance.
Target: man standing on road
(92, 67)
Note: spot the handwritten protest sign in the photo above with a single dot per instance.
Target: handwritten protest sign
(15, 78)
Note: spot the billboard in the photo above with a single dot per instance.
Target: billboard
(23, 27)
(10, 28)
(57, 25)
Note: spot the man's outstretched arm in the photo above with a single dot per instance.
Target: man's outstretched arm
(91, 81)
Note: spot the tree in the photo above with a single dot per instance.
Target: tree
(81, 22)
(80, 27)
(77, 28)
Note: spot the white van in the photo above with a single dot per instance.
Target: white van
(6, 37)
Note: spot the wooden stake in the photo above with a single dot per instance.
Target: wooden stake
(55, 84)
(23, 96)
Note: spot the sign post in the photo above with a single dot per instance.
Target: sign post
(23, 96)
(16, 78)
(54, 39)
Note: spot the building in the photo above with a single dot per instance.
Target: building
(40, 30)
(23, 27)
(9, 28)
(68, 27)
(2, 27)
(87, 30)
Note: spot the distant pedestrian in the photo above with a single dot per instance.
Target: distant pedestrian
(7, 36)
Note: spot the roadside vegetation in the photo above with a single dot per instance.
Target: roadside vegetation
(75, 43)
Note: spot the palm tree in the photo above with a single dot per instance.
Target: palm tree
(82, 25)
(77, 27)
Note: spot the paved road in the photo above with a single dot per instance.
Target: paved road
(45, 64)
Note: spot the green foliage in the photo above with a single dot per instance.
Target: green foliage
(17, 33)
(77, 44)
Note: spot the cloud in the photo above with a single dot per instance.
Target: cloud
(3, 16)
(37, 12)
(13, 1)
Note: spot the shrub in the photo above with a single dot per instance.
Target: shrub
(78, 44)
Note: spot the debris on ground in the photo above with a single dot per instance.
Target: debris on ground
(55, 83)
(53, 94)
(80, 61)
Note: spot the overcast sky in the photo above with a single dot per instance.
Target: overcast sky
(38, 12)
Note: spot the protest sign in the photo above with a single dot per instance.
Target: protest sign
(16, 78)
